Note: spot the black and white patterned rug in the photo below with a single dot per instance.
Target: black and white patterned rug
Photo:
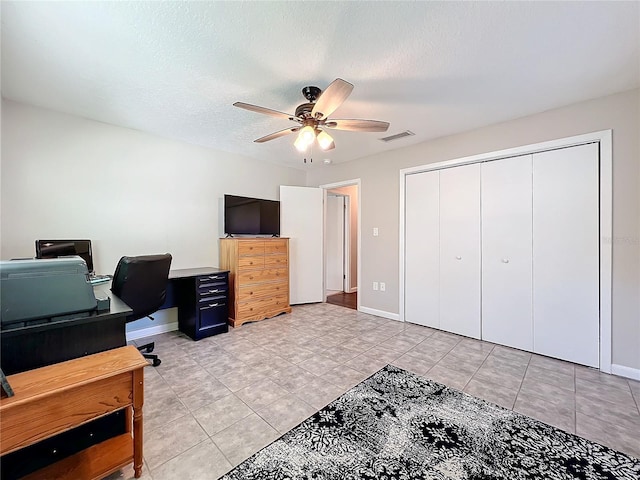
(397, 425)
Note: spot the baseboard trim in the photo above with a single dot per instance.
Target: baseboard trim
(380, 313)
(155, 330)
(353, 290)
(627, 372)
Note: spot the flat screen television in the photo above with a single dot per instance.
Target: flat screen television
(251, 216)
(64, 248)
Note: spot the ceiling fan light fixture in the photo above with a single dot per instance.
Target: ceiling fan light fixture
(311, 117)
(324, 140)
(307, 134)
(300, 144)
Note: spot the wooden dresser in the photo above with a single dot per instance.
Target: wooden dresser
(258, 277)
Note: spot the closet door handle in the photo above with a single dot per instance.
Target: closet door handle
(505, 260)
(458, 257)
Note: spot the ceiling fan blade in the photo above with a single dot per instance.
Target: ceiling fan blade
(264, 111)
(279, 134)
(358, 125)
(332, 97)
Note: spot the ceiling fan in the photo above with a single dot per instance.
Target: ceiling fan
(312, 117)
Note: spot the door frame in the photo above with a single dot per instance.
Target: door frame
(331, 186)
(604, 139)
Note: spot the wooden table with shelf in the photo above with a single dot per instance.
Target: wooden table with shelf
(57, 398)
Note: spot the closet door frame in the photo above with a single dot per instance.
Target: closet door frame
(604, 139)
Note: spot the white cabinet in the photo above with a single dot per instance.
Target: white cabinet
(507, 316)
(566, 254)
(422, 244)
(460, 250)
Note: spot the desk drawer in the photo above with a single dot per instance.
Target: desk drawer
(212, 288)
(213, 314)
(217, 277)
(211, 301)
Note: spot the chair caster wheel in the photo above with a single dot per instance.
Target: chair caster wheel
(156, 362)
(148, 349)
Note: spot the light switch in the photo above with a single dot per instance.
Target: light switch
(383, 286)
(375, 231)
(375, 285)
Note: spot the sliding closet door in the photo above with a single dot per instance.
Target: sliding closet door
(460, 250)
(566, 254)
(422, 249)
(506, 252)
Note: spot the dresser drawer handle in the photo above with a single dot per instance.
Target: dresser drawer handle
(214, 305)
(214, 277)
(214, 291)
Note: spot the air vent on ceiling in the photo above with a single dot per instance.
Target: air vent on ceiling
(397, 136)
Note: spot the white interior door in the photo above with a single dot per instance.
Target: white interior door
(301, 221)
(460, 250)
(507, 316)
(334, 271)
(422, 249)
(566, 254)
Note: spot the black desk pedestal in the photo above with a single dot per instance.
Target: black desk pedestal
(201, 295)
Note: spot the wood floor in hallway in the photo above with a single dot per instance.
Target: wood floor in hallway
(349, 300)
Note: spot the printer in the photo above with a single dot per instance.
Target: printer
(38, 289)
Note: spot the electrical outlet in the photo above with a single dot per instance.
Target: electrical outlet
(383, 287)
(375, 285)
(375, 231)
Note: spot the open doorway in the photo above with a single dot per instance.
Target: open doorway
(341, 245)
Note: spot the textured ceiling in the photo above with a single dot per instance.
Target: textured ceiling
(435, 68)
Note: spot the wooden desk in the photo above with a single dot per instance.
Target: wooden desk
(54, 399)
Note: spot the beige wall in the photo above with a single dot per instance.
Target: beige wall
(129, 192)
(379, 176)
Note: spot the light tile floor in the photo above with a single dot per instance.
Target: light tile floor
(213, 403)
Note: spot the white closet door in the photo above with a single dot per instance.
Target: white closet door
(566, 254)
(422, 251)
(460, 250)
(507, 316)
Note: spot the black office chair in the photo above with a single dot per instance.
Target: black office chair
(141, 282)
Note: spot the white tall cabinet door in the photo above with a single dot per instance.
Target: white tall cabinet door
(507, 317)
(460, 250)
(566, 254)
(422, 249)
